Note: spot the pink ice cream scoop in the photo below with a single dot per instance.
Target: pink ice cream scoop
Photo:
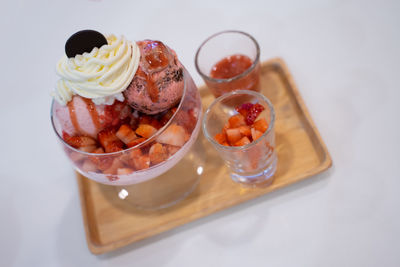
(82, 117)
(158, 83)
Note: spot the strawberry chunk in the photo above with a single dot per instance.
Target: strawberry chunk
(253, 113)
(115, 165)
(233, 135)
(236, 121)
(174, 135)
(101, 162)
(261, 125)
(146, 130)
(136, 142)
(158, 153)
(126, 134)
(78, 141)
(220, 138)
(109, 140)
(245, 130)
(243, 141)
(255, 134)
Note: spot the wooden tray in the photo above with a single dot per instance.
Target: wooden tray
(301, 153)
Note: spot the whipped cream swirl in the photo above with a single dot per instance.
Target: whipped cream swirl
(100, 75)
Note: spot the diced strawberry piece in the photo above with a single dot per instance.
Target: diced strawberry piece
(225, 144)
(158, 153)
(261, 125)
(101, 162)
(253, 113)
(115, 165)
(109, 140)
(245, 130)
(255, 134)
(242, 142)
(126, 134)
(136, 159)
(89, 166)
(236, 121)
(174, 135)
(88, 149)
(142, 162)
(146, 130)
(233, 135)
(226, 127)
(220, 138)
(124, 171)
(244, 108)
(78, 141)
(136, 142)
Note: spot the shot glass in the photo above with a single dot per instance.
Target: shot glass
(253, 164)
(228, 61)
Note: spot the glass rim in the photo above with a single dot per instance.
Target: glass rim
(241, 75)
(146, 142)
(224, 96)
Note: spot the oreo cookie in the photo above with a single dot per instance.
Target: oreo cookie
(84, 41)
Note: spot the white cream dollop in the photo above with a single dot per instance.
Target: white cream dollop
(100, 75)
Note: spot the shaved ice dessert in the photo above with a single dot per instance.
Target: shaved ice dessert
(125, 112)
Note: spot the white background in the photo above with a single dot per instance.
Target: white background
(344, 56)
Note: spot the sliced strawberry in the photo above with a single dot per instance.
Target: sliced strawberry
(174, 135)
(78, 141)
(236, 121)
(261, 125)
(226, 127)
(88, 149)
(244, 108)
(220, 138)
(109, 140)
(242, 142)
(245, 130)
(253, 113)
(126, 134)
(146, 130)
(124, 171)
(233, 135)
(136, 142)
(101, 162)
(255, 134)
(115, 165)
(142, 162)
(158, 153)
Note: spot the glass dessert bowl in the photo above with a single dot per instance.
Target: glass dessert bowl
(136, 140)
(146, 160)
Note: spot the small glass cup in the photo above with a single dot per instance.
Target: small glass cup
(222, 45)
(253, 164)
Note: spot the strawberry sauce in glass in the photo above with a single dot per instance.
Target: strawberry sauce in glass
(229, 61)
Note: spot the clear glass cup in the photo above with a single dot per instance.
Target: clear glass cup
(222, 45)
(253, 164)
(151, 185)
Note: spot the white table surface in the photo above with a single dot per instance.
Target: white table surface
(345, 59)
